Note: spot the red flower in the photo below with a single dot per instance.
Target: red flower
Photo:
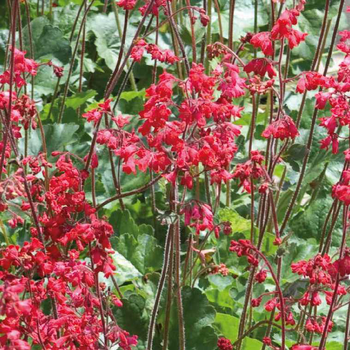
(283, 28)
(315, 299)
(344, 44)
(258, 86)
(204, 18)
(267, 341)
(260, 66)
(224, 344)
(271, 304)
(138, 50)
(303, 347)
(263, 41)
(93, 116)
(310, 81)
(260, 277)
(342, 192)
(256, 302)
(321, 99)
(126, 4)
(281, 129)
(233, 85)
(161, 55)
(199, 216)
(333, 138)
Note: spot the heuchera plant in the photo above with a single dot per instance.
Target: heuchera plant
(59, 287)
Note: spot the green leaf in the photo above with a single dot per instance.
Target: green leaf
(44, 82)
(185, 32)
(3, 42)
(107, 38)
(58, 137)
(133, 108)
(144, 252)
(48, 41)
(199, 316)
(220, 298)
(334, 346)
(283, 203)
(220, 282)
(246, 119)
(244, 16)
(309, 223)
(267, 247)
(294, 153)
(238, 223)
(80, 98)
(130, 95)
(133, 317)
(228, 326)
(123, 222)
(77, 2)
(126, 271)
(128, 182)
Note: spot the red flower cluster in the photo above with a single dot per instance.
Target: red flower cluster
(166, 145)
(199, 216)
(263, 41)
(260, 66)
(303, 347)
(224, 344)
(312, 325)
(252, 169)
(48, 269)
(310, 81)
(21, 65)
(141, 46)
(335, 92)
(321, 273)
(283, 29)
(94, 115)
(70, 281)
(126, 4)
(283, 26)
(243, 247)
(282, 129)
(341, 190)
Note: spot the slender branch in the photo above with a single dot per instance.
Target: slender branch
(160, 287)
(130, 193)
(182, 340)
(70, 72)
(119, 69)
(231, 18)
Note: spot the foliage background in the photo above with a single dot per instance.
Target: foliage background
(212, 307)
